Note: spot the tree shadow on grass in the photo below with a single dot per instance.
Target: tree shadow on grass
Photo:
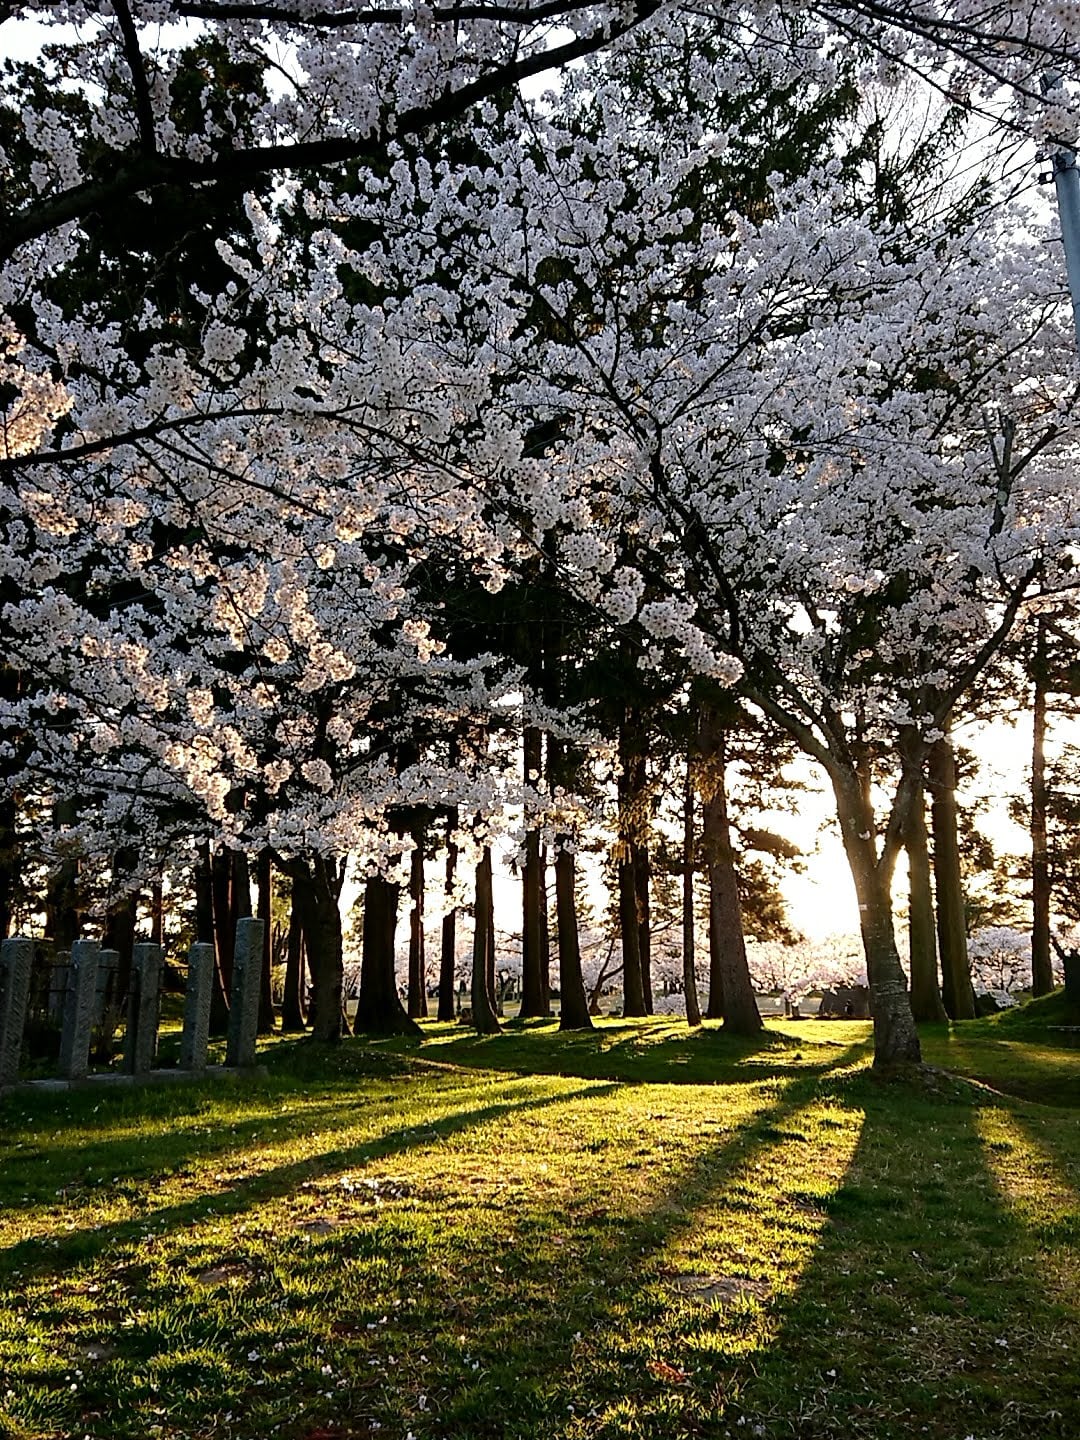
(91, 1139)
(646, 1052)
(78, 1245)
(586, 1275)
(923, 1312)
(1026, 1064)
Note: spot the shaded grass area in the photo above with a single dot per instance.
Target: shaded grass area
(637, 1233)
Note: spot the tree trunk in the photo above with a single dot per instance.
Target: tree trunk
(630, 802)
(689, 956)
(484, 1018)
(204, 895)
(9, 862)
(63, 918)
(240, 895)
(573, 1004)
(922, 943)
(642, 880)
(731, 992)
(633, 987)
(534, 1002)
(292, 1002)
(221, 890)
(448, 957)
(379, 1010)
(956, 988)
(489, 942)
(157, 913)
(122, 917)
(1042, 974)
(896, 1040)
(265, 886)
(417, 996)
(315, 886)
(545, 931)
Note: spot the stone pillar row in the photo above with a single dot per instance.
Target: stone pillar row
(89, 961)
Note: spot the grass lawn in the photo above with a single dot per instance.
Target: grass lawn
(640, 1232)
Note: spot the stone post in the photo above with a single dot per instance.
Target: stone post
(197, 994)
(79, 1010)
(16, 962)
(106, 1005)
(140, 1040)
(244, 999)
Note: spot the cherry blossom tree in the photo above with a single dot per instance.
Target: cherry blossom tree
(220, 506)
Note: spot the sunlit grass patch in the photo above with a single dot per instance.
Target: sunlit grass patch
(639, 1233)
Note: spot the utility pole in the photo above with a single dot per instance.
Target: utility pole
(1067, 184)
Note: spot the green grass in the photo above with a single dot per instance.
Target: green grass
(637, 1233)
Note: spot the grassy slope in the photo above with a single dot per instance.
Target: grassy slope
(637, 1233)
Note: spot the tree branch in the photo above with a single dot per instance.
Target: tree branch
(141, 172)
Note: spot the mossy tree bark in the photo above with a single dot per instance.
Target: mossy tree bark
(896, 1040)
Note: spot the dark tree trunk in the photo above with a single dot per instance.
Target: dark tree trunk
(241, 890)
(926, 1002)
(631, 800)
(731, 993)
(379, 1010)
(448, 957)
(689, 955)
(204, 896)
(573, 1002)
(545, 931)
(642, 883)
(292, 1001)
(316, 887)
(484, 1017)
(573, 1005)
(122, 917)
(489, 922)
(12, 682)
(9, 862)
(956, 988)
(633, 985)
(157, 913)
(534, 1001)
(1042, 973)
(63, 919)
(896, 1040)
(224, 933)
(417, 994)
(118, 934)
(265, 886)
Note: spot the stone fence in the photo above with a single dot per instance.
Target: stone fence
(79, 993)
